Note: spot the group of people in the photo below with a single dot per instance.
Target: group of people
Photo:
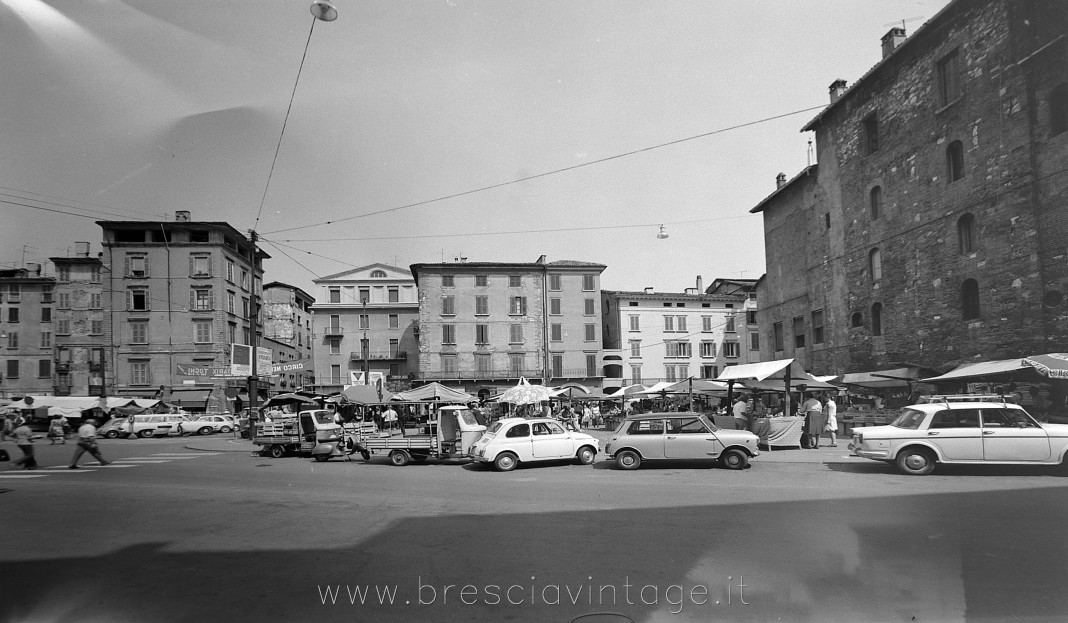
(819, 410)
(24, 437)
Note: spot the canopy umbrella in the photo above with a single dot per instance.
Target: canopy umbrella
(1052, 365)
(627, 391)
(525, 394)
(365, 394)
(434, 392)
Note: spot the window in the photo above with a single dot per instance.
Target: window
(554, 283)
(877, 319)
(244, 279)
(635, 348)
(62, 326)
(729, 324)
(731, 349)
(590, 332)
(680, 323)
(46, 339)
(875, 264)
(199, 235)
(589, 282)
(335, 295)
(635, 374)
(12, 339)
(515, 334)
(46, 314)
(448, 281)
(827, 220)
(365, 296)
(554, 307)
(12, 314)
(335, 374)
(393, 295)
(448, 306)
(875, 201)
(799, 332)
(778, 336)
(870, 130)
(969, 299)
(967, 234)
(94, 274)
(96, 327)
(481, 305)
(199, 265)
(677, 348)
(515, 363)
(63, 273)
(481, 281)
(231, 303)
(590, 308)
(448, 334)
(482, 334)
(669, 324)
(518, 306)
(394, 348)
(634, 323)
(750, 317)
(954, 162)
(14, 293)
(12, 368)
(754, 341)
(137, 299)
(231, 333)
(856, 320)
(709, 371)
(515, 281)
(947, 72)
(706, 324)
(556, 332)
(365, 321)
(246, 308)
(558, 365)
(136, 266)
(202, 331)
(139, 332)
(394, 321)
(708, 349)
(1058, 109)
(229, 271)
(335, 346)
(202, 299)
(95, 301)
(483, 364)
(817, 326)
(46, 294)
(63, 300)
(44, 368)
(139, 373)
(591, 365)
(378, 274)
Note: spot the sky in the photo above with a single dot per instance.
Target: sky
(425, 130)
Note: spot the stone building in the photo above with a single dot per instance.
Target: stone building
(77, 322)
(483, 325)
(934, 229)
(26, 332)
(364, 324)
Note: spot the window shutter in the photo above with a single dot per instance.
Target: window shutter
(211, 265)
(192, 265)
(192, 299)
(127, 270)
(145, 259)
(211, 296)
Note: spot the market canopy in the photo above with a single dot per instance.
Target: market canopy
(658, 388)
(526, 394)
(629, 390)
(365, 394)
(894, 377)
(777, 369)
(72, 406)
(1052, 365)
(970, 371)
(697, 386)
(806, 380)
(434, 392)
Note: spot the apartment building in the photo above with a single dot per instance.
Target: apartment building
(286, 323)
(77, 316)
(26, 331)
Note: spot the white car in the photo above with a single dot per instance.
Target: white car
(207, 424)
(511, 441)
(980, 432)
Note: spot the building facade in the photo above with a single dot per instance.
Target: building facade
(286, 321)
(483, 325)
(179, 294)
(26, 331)
(669, 336)
(365, 322)
(933, 229)
(77, 316)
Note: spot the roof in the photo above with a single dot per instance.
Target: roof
(279, 284)
(981, 369)
(806, 172)
(663, 296)
(530, 266)
(361, 269)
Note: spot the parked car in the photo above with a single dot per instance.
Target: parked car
(979, 432)
(511, 441)
(153, 424)
(206, 425)
(112, 428)
(679, 436)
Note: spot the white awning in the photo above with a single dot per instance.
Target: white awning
(974, 370)
(764, 370)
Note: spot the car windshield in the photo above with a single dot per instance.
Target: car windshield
(909, 418)
(492, 430)
(324, 417)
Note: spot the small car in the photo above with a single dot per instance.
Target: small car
(679, 436)
(153, 425)
(980, 432)
(206, 425)
(112, 428)
(511, 441)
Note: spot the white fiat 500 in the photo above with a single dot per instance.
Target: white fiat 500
(977, 432)
(511, 441)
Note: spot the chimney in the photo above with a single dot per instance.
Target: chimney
(837, 88)
(81, 249)
(892, 39)
(541, 259)
(35, 269)
(648, 289)
(182, 216)
(701, 283)
(780, 180)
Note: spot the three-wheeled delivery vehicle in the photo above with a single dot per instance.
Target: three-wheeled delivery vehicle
(316, 432)
(450, 435)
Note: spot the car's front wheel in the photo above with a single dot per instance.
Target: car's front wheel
(277, 452)
(145, 434)
(204, 430)
(225, 429)
(506, 462)
(111, 434)
(734, 459)
(586, 455)
(628, 459)
(916, 461)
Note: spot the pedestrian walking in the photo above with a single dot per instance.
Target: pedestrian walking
(24, 440)
(9, 428)
(56, 430)
(830, 411)
(814, 422)
(738, 411)
(87, 443)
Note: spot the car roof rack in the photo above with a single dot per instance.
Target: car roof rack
(948, 398)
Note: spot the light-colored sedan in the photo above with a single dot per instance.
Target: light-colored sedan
(511, 441)
(208, 424)
(679, 436)
(979, 432)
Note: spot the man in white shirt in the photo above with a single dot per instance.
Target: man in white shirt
(389, 418)
(739, 409)
(87, 443)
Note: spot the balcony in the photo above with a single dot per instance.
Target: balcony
(377, 355)
(331, 331)
(479, 375)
